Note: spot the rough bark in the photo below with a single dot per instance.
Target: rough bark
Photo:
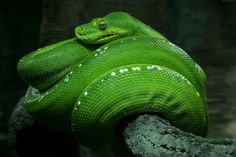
(146, 136)
(149, 136)
(30, 138)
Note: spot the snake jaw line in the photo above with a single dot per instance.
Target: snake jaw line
(104, 38)
(100, 36)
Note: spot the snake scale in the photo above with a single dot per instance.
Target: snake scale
(115, 68)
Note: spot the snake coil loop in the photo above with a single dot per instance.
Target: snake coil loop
(91, 89)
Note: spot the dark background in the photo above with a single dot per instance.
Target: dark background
(206, 29)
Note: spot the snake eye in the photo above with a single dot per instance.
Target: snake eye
(102, 25)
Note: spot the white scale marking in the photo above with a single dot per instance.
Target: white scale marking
(183, 77)
(136, 68)
(113, 74)
(150, 67)
(80, 65)
(123, 70)
(79, 102)
(159, 68)
(41, 98)
(154, 67)
(96, 55)
(99, 49)
(171, 44)
(85, 93)
(66, 79)
(105, 48)
(198, 94)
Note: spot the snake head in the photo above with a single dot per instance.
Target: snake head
(105, 29)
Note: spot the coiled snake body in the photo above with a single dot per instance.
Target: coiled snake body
(116, 67)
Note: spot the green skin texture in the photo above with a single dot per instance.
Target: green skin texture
(88, 85)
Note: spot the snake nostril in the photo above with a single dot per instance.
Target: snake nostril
(79, 33)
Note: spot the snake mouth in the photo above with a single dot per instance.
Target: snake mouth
(104, 38)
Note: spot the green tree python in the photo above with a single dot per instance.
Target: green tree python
(115, 68)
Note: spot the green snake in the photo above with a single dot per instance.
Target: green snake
(115, 68)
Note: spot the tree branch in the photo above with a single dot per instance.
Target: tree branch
(149, 136)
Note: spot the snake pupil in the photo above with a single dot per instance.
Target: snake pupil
(102, 25)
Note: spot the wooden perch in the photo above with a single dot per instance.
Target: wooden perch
(149, 136)
(145, 136)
